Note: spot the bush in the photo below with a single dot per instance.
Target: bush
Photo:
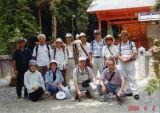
(153, 85)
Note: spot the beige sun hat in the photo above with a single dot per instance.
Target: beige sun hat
(108, 37)
(123, 33)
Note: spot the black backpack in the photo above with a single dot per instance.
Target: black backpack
(47, 48)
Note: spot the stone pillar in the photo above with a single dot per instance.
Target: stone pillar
(141, 62)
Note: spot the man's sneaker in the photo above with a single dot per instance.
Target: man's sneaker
(128, 94)
(104, 98)
(18, 98)
(136, 97)
(88, 94)
(119, 100)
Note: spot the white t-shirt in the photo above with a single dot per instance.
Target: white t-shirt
(70, 51)
(81, 51)
(61, 57)
(42, 55)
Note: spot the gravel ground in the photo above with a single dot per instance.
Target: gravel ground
(8, 104)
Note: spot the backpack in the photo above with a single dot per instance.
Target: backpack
(55, 50)
(86, 71)
(131, 46)
(47, 48)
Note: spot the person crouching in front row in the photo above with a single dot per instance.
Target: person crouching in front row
(53, 78)
(34, 82)
(115, 82)
(82, 76)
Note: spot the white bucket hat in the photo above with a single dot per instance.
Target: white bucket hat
(59, 40)
(82, 35)
(53, 61)
(60, 95)
(68, 35)
(82, 58)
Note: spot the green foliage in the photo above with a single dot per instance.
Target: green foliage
(73, 9)
(15, 20)
(157, 6)
(153, 85)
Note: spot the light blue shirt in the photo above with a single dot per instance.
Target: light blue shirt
(49, 78)
(96, 48)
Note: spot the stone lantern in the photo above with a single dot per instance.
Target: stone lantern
(155, 50)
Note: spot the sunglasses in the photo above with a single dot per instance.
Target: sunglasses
(109, 39)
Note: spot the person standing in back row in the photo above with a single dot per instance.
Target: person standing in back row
(20, 61)
(127, 53)
(84, 48)
(73, 54)
(60, 55)
(96, 57)
(43, 54)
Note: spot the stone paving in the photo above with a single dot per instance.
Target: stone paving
(8, 104)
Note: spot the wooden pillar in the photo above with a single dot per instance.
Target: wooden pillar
(99, 25)
(108, 27)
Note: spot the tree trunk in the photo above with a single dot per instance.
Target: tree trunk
(54, 22)
(39, 18)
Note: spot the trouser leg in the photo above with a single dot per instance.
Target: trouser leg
(42, 70)
(95, 66)
(64, 76)
(100, 64)
(131, 77)
(35, 96)
(69, 72)
(19, 85)
(52, 89)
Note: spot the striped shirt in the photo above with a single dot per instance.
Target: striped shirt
(96, 48)
(127, 49)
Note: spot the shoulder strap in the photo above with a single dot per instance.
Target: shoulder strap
(131, 46)
(120, 48)
(92, 45)
(109, 50)
(84, 50)
(111, 76)
(63, 48)
(37, 50)
(48, 51)
(55, 50)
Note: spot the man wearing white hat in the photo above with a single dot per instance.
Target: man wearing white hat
(127, 53)
(73, 54)
(82, 76)
(43, 54)
(84, 48)
(60, 55)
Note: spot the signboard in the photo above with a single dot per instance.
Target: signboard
(150, 16)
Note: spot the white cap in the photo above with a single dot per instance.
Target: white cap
(60, 95)
(82, 35)
(58, 40)
(81, 58)
(42, 35)
(54, 61)
(68, 35)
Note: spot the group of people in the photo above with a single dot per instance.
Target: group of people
(101, 63)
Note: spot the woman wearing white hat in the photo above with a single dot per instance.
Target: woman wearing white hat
(53, 78)
(60, 55)
(110, 51)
